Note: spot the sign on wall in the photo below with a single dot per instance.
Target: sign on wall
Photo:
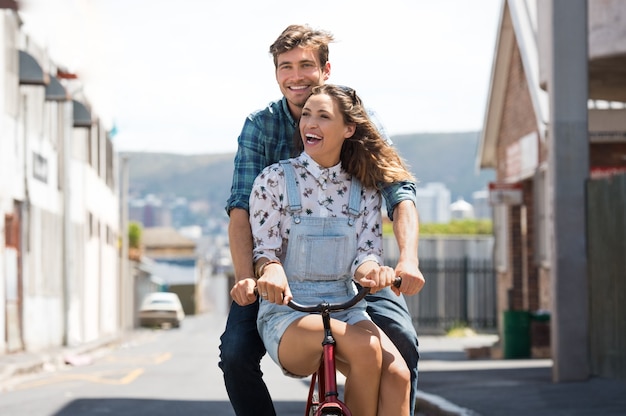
(501, 193)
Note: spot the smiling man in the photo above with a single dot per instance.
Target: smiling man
(301, 61)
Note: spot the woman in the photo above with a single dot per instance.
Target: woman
(317, 228)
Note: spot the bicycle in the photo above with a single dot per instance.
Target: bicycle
(323, 398)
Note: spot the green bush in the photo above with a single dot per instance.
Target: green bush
(454, 227)
(134, 234)
(458, 227)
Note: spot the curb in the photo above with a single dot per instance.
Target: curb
(12, 365)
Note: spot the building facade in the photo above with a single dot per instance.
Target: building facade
(59, 210)
(531, 138)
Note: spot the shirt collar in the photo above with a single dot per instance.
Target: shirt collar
(321, 174)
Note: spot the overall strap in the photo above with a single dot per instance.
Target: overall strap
(354, 203)
(293, 194)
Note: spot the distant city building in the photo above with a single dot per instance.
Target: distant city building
(433, 203)
(149, 211)
(482, 208)
(176, 212)
(461, 209)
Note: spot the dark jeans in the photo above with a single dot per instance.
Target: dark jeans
(241, 350)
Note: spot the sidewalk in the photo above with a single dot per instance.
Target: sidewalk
(450, 383)
(458, 386)
(13, 365)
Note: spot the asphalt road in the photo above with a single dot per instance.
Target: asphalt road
(156, 372)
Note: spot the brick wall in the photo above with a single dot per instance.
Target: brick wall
(521, 285)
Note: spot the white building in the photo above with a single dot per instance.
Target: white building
(461, 209)
(482, 208)
(59, 213)
(433, 203)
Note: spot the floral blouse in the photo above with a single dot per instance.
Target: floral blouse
(324, 193)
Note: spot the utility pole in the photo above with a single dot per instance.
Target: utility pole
(68, 253)
(568, 138)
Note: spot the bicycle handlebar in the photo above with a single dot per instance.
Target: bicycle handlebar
(363, 291)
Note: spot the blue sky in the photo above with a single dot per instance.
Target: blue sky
(182, 76)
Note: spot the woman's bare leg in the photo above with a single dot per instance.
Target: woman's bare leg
(395, 382)
(358, 350)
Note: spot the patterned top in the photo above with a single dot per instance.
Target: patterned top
(325, 193)
(267, 137)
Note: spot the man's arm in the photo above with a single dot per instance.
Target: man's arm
(406, 231)
(249, 161)
(241, 246)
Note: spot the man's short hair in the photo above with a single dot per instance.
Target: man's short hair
(302, 36)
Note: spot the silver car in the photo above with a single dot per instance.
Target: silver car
(162, 309)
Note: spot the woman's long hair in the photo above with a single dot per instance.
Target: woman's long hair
(365, 155)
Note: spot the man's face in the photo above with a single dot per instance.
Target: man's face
(297, 72)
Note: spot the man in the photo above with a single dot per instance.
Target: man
(301, 61)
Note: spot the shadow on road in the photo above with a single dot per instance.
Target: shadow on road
(152, 407)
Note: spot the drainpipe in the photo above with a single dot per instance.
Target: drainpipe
(67, 219)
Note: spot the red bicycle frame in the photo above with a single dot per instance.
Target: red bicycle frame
(325, 378)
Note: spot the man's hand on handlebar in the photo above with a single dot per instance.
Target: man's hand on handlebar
(375, 277)
(412, 278)
(243, 292)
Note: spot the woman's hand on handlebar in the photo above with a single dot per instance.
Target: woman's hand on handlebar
(272, 286)
(375, 277)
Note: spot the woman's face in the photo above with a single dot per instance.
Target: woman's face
(323, 130)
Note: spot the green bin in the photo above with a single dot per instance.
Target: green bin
(516, 342)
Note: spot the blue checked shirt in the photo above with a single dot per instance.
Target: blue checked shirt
(267, 137)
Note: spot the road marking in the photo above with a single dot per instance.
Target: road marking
(111, 377)
(161, 358)
(97, 378)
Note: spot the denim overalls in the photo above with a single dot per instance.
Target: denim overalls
(318, 264)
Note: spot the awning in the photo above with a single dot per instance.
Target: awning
(30, 71)
(55, 91)
(9, 4)
(82, 116)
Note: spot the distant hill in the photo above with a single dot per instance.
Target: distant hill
(449, 158)
(195, 177)
(433, 157)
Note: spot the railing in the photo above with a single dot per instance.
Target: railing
(458, 292)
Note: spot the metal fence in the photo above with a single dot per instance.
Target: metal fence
(460, 287)
(606, 245)
(458, 292)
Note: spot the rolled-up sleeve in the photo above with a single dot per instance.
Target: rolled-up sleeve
(394, 193)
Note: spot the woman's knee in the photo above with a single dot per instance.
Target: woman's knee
(366, 352)
(399, 374)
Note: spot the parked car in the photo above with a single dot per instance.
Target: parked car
(161, 309)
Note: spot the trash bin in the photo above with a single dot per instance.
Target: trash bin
(540, 334)
(516, 340)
